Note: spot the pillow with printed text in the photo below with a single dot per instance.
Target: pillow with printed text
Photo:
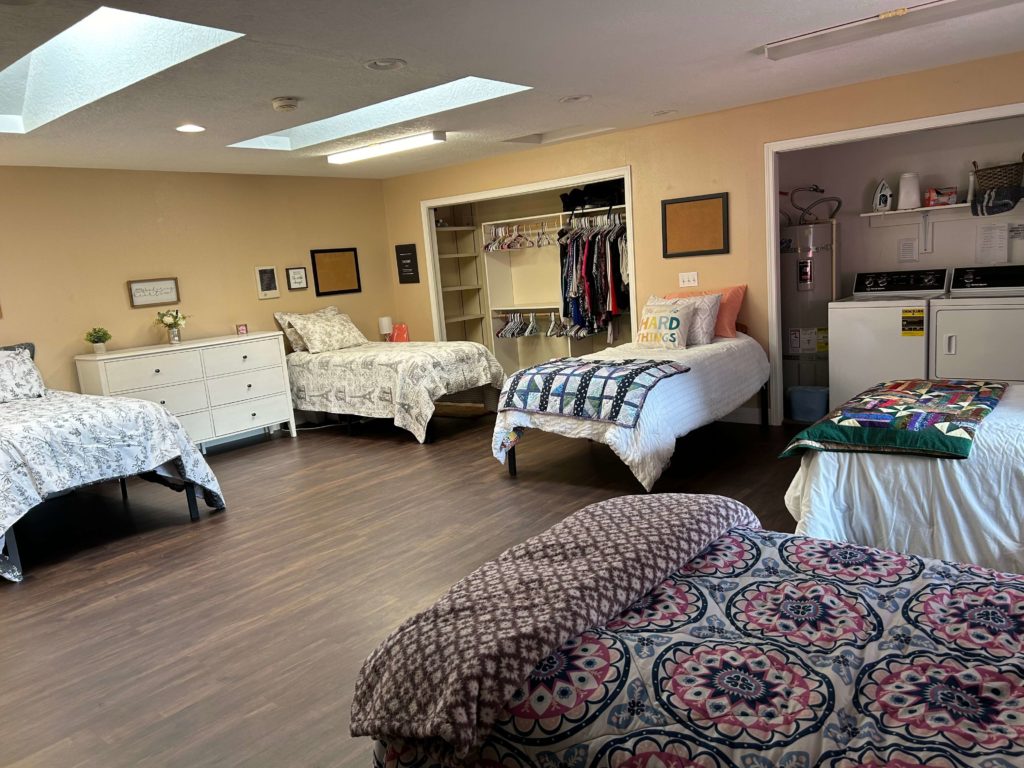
(665, 326)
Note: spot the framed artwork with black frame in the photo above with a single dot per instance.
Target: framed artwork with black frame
(296, 278)
(695, 226)
(335, 270)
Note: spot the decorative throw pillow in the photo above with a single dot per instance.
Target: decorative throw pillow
(665, 326)
(284, 319)
(705, 313)
(322, 333)
(19, 377)
(732, 300)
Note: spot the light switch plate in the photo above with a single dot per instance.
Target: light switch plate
(687, 279)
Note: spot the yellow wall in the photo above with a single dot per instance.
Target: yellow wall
(718, 152)
(70, 239)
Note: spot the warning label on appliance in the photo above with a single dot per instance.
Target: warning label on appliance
(912, 321)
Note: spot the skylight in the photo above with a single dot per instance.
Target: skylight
(106, 51)
(440, 98)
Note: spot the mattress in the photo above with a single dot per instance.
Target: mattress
(968, 510)
(399, 381)
(723, 375)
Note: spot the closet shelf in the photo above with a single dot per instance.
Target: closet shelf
(455, 229)
(557, 215)
(457, 255)
(460, 288)
(527, 307)
(461, 318)
(924, 209)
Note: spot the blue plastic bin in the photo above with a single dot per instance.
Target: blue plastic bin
(806, 404)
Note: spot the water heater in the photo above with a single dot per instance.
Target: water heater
(807, 276)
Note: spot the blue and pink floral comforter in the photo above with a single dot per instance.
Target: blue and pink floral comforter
(776, 651)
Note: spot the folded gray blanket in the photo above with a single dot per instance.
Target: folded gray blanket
(444, 675)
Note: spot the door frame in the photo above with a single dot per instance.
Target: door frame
(773, 149)
(430, 243)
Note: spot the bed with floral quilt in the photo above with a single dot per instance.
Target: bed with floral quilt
(53, 441)
(754, 650)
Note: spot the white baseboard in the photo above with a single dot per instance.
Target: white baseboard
(745, 414)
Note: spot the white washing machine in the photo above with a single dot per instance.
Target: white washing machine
(881, 331)
(978, 331)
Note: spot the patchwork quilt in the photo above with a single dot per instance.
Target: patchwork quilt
(770, 650)
(612, 391)
(65, 440)
(923, 417)
(383, 380)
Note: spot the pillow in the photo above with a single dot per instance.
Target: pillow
(732, 300)
(19, 377)
(322, 333)
(705, 313)
(665, 326)
(284, 319)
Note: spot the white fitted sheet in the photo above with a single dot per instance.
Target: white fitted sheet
(969, 510)
(723, 375)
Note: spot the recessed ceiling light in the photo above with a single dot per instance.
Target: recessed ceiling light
(663, 112)
(387, 147)
(106, 51)
(190, 128)
(431, 101)
(385, 64)
(575, 99)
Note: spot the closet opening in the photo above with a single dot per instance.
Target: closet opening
(534, 272)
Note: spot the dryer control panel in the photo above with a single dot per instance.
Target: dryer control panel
(1002, 280)
(922, 283)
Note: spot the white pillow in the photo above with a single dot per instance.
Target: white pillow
(665, 326)
(284, 319)
(322, 333)
(705, 315)
(19, 377)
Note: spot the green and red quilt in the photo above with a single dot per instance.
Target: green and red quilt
(922, 417)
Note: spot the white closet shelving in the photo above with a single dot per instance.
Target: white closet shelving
(462, 274)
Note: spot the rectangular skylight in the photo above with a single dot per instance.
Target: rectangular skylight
(106, 51)
(431, 101)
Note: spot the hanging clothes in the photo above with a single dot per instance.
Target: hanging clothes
(594, 287)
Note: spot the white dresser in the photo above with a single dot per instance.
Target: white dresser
(217, 387)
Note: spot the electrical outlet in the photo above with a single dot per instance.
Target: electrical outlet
(687, 279)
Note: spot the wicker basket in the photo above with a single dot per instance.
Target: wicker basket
(1009, 175)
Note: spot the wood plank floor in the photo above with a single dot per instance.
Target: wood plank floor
(139, 639)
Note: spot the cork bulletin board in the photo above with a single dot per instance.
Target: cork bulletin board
(695, 226)
(335, 270)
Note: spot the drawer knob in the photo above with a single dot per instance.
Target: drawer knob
(245, 357)
(254, 414)
(163, 402)
(248, 386)
(157, 370)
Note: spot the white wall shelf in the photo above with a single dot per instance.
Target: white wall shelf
(928, 209)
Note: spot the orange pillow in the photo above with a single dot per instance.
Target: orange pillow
(728, 310)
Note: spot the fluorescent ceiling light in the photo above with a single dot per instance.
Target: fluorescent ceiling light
(387, 147)
(190, 128)
(106, 51)
(431, 101)
(888, 21)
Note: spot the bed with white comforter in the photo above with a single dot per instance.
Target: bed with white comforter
(385, 380)
(723, 375)
(968, 510)
(64, 440)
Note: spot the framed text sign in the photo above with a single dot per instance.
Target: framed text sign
(408, 266)
(156, 292)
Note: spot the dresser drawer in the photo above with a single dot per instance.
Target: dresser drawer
(234, 358)
(178, 399)
(251, 414)
(153, 370)
(246, 386)
(198, 426)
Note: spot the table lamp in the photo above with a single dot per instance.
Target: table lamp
(385, 326)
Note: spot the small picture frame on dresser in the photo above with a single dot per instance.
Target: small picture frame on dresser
(241, 329)
(297, 278)
(266, 283)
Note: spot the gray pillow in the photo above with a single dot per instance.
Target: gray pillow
(19, 377)
(705, 314)
(284, 319)
(322, 333)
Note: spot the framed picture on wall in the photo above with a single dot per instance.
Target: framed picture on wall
(335, 270)
(297, 278)
(155, 292)
(695, 226)
(266, 283)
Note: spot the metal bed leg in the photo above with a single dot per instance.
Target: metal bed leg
(193, 508)
(764, 406)
(510, 459)
(12, 549)
(124, 489)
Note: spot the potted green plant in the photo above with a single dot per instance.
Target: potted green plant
(98, 337)
(173, 320)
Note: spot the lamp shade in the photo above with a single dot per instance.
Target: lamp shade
(384, 325)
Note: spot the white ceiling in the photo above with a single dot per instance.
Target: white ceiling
(634, 57)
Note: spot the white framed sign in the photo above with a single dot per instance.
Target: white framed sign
(266, 283)
(153, 293)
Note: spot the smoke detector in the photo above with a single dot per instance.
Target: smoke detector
(285, 103)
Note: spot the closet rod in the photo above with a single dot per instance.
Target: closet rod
(558, 215)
